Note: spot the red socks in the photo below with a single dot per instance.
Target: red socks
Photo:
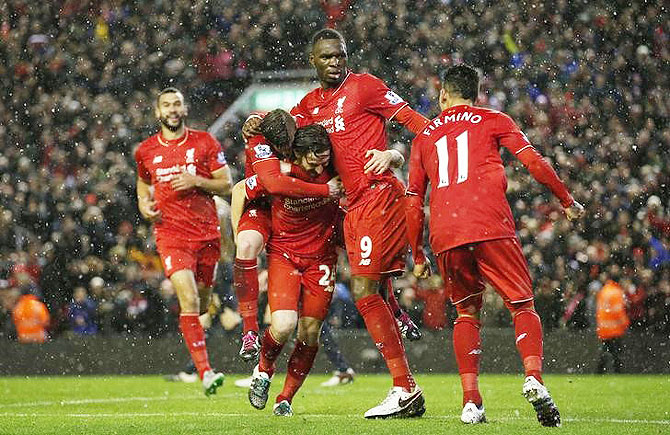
(299, 365)
(245, 283)
(528, 333)
(270, 350)
(194, 336)
(381, 326)
(467, 348)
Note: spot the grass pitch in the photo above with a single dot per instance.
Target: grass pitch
(149, 405)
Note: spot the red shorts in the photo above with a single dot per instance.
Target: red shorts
(200, 257)
(257, 217)
(375, 235)
(305, 285)
(500, 262)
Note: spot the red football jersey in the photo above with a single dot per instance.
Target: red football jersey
(459, 153)
(301, 227)
(190, 214)
(257, 149)
(354, 114)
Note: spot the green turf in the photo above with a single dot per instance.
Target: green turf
(149, 405)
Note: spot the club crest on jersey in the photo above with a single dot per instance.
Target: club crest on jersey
(340, 105)
(221, 157)
(157, 159)
(393, 98)
(252, 182)
(190, 155)
(263, 151)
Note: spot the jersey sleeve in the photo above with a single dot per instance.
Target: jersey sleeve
(415, 194)
(259, 150)
(509, 135)
(379, 99)
(142, 170)
(253, 188)
(276, 183)
(300, 115)
(216, 158)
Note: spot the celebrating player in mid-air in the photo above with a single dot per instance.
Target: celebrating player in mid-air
(472, 230)
(354, 108)
(301, 267)
(178, 171)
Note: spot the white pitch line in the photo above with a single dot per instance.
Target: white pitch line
(328, 416)
(105, 400)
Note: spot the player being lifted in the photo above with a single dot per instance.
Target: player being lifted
(354, 108)
(254, 226)
(301, 267)
(472, 230)
(178, 171)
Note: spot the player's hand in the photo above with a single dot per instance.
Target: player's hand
(148, 209)
(380, 161)
(251, 127)
(422, 270)
(184, 181)
(335, 187)
(575, 211)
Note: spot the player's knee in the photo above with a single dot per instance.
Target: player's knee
(469, 308)
(249, 246)
(283, 325)
(309, 330)
(362, 286)
(520, 307)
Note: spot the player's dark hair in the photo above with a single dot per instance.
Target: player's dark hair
(462, 79)
(327, 34)
(274, 129)
(168, 90)
(311, 138)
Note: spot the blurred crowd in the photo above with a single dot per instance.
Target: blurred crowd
(584, 80)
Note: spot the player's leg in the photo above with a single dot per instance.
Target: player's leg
(253, 233)
(503, 264)
(318, 284)
(344, 373)
(375, 235)
(283, 297)
(407, 327)
(465, 287)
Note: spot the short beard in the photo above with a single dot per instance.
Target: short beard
(172, 128)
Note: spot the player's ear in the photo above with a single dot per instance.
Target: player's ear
(444, 99)
(157, 111)
(311, 59)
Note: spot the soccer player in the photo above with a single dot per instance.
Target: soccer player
(472, 229)
(178, 171)
(301, 269)
(354, 109)
(254, 226)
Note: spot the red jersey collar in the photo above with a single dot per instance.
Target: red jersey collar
(173, 142)
(325, 93)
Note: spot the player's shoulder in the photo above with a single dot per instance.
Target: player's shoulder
(147, 145)
(364, 78)
(491, 113)
(200, 135)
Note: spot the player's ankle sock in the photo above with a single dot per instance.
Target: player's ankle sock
(467, 348)
(528, 333)
(270, 350)
(194, 337)
(245, 283)
(299, 365)
(381, 326)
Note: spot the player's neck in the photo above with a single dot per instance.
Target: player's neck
(455, 102)
(171, 135)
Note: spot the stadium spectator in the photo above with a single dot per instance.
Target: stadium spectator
(612, 323)
(31, 319)
(585, 78)
(82, 313)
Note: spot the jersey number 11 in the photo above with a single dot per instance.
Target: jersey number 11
(461, 159)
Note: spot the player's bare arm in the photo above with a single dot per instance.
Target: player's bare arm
(237, 202)
(381, 161)
(219, 184)
(145, 201)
